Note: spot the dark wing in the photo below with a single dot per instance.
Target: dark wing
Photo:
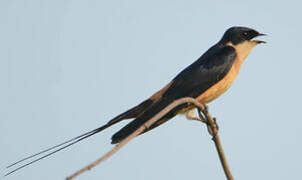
(191, 82)
(203, 73)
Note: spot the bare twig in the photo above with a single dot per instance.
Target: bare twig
(212, 123)
(159, 115)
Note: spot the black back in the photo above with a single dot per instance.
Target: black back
(209, 69)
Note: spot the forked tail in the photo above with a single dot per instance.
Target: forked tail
(131, 113)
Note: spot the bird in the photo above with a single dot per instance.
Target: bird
(205, 80)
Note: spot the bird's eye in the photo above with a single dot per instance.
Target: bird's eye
(245, 34)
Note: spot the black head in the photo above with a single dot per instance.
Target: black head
(237, 35)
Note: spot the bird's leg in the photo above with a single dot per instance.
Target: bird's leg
(210, 129)
(190, 115)
(202, 115)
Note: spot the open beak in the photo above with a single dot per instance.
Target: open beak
(259, 41)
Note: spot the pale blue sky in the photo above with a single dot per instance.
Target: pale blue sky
(67, 67)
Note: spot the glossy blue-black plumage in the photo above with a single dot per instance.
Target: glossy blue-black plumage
(209, 69)
(239, 34)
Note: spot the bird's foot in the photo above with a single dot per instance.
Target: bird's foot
(204, 116)
(190, 115)
(213, 133)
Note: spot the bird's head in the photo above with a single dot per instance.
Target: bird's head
(237, 35)
(242, 39)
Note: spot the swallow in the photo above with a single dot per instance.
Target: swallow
(206, 79)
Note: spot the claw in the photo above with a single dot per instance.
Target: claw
(190, 115)
(210, 129)
(216, 125)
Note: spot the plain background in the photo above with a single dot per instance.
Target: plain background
(67, 67)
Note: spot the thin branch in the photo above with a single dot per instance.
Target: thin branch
(212, 123)
(153, 120)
